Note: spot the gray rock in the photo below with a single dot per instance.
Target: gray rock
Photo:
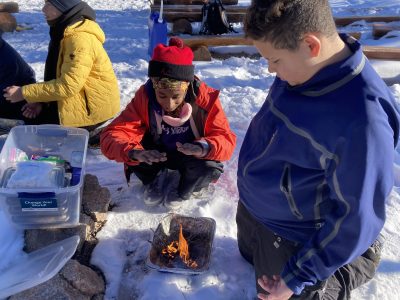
(56, 288)
(201, 54)
(8, 23)
(83, 278)
(182, 26)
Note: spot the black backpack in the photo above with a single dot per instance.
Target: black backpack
(214, 19)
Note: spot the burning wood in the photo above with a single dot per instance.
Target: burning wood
(175, 236)
(182, 247)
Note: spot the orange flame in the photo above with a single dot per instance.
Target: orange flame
(182, 247)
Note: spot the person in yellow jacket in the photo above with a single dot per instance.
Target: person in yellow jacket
(80, 88)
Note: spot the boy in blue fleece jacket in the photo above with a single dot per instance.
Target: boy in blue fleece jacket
(315, 167)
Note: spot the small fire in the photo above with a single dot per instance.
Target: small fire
(182, 247)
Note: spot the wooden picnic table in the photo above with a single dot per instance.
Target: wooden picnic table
(380, 29)
(373, 52)
(236, 13)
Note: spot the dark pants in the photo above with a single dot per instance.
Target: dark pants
(269, 254)
(195, 173)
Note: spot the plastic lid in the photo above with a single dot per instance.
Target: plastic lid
(37, 267)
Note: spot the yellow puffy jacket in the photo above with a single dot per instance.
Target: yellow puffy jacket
(86, 88)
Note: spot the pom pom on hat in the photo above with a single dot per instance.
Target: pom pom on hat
(174, 61)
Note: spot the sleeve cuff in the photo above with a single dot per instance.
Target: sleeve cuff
(205, 146)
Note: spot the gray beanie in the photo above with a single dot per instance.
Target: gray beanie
(64, 5)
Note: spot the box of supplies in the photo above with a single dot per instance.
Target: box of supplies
(41, 175)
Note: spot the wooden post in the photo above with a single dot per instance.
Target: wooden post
(380, 29)
(344, 21)
(388, 53)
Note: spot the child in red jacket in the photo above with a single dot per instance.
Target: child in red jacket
(174, 122)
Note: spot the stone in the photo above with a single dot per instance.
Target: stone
(8, 23)
(182, 26)
(55, 288)
(201, 53)
(96, 198)
(10, 7)
(83, 278)
(38, 238)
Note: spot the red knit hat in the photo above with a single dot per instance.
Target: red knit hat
(173, 61)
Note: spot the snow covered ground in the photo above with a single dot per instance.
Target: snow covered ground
(244, 82)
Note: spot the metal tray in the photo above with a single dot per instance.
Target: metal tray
(199, 233)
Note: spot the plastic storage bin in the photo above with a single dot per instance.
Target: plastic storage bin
(38, 207)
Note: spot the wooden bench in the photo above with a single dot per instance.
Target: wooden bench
(195, 42)
(236, 13)
(10, 7)
(188, 2)
(192, 13)
(227, 40)
(380, 29)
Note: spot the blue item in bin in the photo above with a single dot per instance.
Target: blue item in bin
(158, 32)
(76, 175)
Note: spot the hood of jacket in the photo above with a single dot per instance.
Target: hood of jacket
(86, 26)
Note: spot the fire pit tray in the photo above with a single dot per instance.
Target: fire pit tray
(198, 232)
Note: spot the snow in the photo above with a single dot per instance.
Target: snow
(123, 242)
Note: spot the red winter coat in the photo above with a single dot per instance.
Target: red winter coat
(126, 131)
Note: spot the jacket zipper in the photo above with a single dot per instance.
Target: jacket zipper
(286, 188)
(86, 102)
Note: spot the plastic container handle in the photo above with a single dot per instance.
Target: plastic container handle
(52, 132)
(160, 19)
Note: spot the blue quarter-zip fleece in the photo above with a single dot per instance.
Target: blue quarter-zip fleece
(316, 163)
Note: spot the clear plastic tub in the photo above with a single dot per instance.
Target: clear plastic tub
(44, 207)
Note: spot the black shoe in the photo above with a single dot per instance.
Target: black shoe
(154, 192)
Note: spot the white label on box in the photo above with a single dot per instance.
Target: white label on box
(38, 204)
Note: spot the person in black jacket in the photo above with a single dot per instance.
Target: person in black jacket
(15, 71)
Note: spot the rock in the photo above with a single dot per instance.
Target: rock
(96, 198)
(201, 53)
(83, 278)
(10, 7)
(38, 238)
(55, 288)
(182, 26)
(8, 23)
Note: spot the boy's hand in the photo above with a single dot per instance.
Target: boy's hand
(190, 149)
(147, 156)
(13, 94)
(31, 110)
(276, 288)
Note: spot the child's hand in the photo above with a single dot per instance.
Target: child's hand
(147, 156)
(13, 94)
(31, 110)
(190, 149)
(276, 288)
